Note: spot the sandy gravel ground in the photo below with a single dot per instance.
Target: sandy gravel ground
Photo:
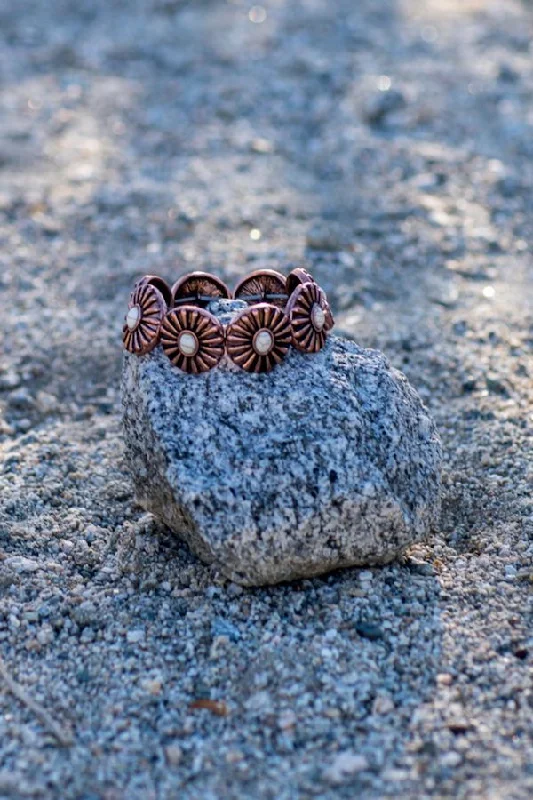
(388, 143)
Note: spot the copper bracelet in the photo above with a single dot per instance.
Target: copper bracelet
(281, 312)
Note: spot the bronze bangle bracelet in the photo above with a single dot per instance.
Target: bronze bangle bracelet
(281, 312)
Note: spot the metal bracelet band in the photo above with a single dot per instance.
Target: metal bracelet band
(282, 312)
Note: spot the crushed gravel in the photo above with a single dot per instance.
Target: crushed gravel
(160, 136)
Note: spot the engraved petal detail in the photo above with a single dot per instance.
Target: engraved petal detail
(310, 316)
(259, 338)
(142, 324)
(263, 286)
(193, 339)
(198, 289)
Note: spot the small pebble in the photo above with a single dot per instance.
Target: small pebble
(344, 766)
(369, 630)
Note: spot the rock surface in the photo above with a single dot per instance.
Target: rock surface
(328, 461)
(158, 136)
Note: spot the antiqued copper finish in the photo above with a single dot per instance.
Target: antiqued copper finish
(159, 283)
(263, 286)
(193, 339)
(198, 289)
(281, 312)
(310, 316)
(297, 277)
(146, 310)
(258, 338)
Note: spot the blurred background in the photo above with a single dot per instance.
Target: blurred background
(387, 146)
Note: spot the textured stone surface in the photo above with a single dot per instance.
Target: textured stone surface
(328, 461)
(155, 136)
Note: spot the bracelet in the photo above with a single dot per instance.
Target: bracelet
(281, 312)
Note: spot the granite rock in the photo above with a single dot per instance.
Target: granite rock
(328, 461)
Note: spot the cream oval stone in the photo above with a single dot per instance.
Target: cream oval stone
(318, 317)
(133, 317)
(263, 342)
(188, 343)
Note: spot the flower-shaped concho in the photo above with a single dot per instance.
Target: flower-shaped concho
(258, 338)
(142, 325)
(263, 286)
(193, 339)
(198, 289)
(310, 316)
(297, 277)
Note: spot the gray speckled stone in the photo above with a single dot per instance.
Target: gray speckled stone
(328, 461)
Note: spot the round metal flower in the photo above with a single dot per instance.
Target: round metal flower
(297, 277)
(159, 283)
(258, 338)
(198, 289)
(193, 339)
(263, 286)
(310, 316)
(146, 310)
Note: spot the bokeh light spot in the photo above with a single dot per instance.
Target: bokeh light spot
(257, 14)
